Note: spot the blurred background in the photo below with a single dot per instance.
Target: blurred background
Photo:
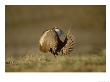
(24, 26)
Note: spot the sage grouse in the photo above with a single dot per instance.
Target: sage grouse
(56, 41)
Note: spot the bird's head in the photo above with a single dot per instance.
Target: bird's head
(58, 31)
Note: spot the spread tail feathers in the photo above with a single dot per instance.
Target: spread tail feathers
(69, 45)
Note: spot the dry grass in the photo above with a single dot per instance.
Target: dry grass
(48, 63)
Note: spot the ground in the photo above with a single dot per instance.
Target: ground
(48, 63)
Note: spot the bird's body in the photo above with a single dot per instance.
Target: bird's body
(50, 41)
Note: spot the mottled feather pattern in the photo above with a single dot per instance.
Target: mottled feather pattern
(50, 41)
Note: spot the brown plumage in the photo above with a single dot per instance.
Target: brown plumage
(52, 41)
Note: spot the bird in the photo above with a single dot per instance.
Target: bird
(56, 41)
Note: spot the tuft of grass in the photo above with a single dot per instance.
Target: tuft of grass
(48, 63)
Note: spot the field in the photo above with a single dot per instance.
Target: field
(48, 63)
(24, 26)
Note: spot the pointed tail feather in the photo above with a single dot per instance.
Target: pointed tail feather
(68, 48)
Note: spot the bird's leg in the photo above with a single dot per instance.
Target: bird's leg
(55, 55)
(53, 51)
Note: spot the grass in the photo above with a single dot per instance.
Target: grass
(48, 63)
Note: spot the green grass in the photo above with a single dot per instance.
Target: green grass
(48, 63)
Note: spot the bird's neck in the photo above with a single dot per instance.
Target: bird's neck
(58, 32)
